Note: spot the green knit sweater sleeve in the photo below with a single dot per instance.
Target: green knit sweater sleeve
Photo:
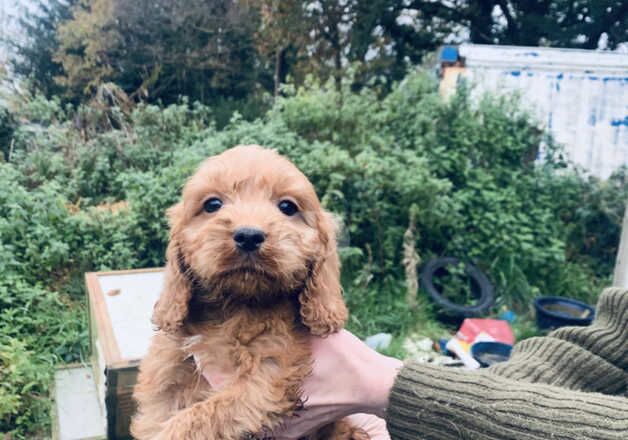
(549, 389)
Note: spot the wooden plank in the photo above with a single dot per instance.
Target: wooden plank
(111, 352)
(126, 364)
(620, 276)
(128, 271)
(98, 366)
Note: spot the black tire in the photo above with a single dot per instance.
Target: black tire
(485, 297)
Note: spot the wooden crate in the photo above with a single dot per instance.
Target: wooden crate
(120, 308)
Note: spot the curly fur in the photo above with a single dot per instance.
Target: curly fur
(226, 310)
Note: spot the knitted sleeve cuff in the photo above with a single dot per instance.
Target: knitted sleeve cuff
(607, 336)
(593, 358)
(557, 362)
(431, 402)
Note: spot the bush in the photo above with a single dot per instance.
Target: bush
(38, 329)
(23, 392)
(87, 189)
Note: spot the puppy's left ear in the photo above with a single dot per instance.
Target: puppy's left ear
(322, 308)
(172, 307)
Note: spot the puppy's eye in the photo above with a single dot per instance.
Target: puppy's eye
(212, 205)
(288, 207)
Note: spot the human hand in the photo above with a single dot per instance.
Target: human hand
(348, 379)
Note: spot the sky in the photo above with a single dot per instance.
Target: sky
(9, 9)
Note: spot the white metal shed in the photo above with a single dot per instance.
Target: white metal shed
(579, 95)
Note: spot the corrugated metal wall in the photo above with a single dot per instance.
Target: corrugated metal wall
(579, 95)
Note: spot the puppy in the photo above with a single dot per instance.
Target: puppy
(251, 270)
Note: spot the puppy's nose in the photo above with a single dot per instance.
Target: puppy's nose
(248, 239)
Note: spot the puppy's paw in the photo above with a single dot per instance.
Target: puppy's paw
(360, 427)
(185, 426)
(359, 434)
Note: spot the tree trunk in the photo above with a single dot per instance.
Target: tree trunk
(338, 67)
(481, 22)
(620, 277)
(280, 59)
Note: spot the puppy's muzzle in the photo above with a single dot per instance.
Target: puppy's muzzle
(248, 239)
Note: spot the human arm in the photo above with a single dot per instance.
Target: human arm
(442, 403)
(550, 388)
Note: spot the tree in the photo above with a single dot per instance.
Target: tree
(330, 35)
(161, 49)
(281, 38)
(560, 23)
(33, 50)
(582, 24)
(231, 50)
(87, 47)
(389, 36)
(7, 128)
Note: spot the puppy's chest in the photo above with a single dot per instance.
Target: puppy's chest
(246, 343)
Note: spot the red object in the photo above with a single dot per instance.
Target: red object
(497, 329)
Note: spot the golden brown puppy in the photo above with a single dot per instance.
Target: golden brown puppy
(251, 270)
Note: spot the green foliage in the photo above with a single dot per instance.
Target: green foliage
(87, 188)
(38, 329)
(456, 286)
(595, 222)
(23, 392)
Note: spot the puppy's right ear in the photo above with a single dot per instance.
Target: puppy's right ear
(172, 307)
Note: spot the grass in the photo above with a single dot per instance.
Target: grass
(381, 308)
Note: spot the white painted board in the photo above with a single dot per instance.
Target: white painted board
(130, 308)
(79, 415)
(580, 96)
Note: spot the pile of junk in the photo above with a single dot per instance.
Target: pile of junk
(479, 342)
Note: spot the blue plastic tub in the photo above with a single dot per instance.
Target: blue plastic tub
(489, 353)
(556, 311)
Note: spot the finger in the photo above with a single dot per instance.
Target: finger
(373, 425)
